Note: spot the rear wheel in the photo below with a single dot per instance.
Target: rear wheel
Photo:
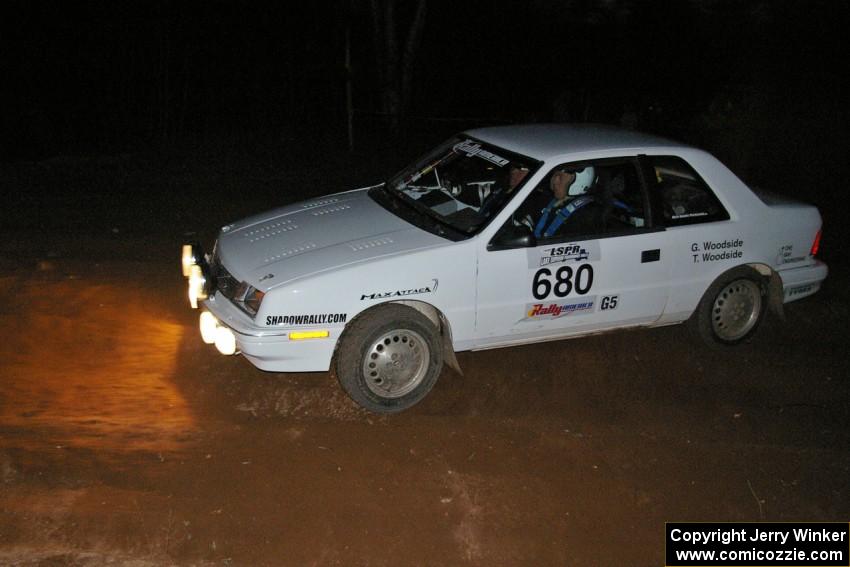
(732, 308)
(389, 358)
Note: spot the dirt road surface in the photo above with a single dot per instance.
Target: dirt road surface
(124, 440)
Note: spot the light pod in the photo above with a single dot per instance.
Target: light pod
(225, 340)
(209, 326)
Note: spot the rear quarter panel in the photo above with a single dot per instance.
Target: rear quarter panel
(754, 234)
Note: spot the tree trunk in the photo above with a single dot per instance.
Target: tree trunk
(394, 69)
(410, 49)
(349, 104)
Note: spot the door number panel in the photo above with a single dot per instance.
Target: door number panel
(562, 282)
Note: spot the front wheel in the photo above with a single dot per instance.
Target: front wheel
(732, 308)
(389, 358)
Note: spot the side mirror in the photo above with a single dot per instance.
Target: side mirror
(513, 237)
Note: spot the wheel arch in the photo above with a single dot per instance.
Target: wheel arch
(436, 317)
(442, 323)
(773, 287)
(702, 321)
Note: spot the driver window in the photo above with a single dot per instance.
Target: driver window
(584, 199)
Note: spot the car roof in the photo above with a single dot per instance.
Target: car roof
(545, 141)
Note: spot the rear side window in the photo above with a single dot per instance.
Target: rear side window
(680, 195)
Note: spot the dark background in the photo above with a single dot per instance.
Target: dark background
(259, 89)
(127, 129)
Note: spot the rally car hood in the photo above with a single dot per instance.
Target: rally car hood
(284, 244)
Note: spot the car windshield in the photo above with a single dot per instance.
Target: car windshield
(461, 185)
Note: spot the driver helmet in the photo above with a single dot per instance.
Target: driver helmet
(583, 181)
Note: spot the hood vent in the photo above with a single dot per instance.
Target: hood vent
(366, 244)
(321, 203)
(329, 210)
(269, 230)
(290, 252)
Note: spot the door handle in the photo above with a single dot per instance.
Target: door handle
(650, 256)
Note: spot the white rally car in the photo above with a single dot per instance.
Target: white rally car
(502, 236)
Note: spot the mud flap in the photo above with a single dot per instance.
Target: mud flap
(449, 356)
(775, 296)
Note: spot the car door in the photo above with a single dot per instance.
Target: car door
(582, 278)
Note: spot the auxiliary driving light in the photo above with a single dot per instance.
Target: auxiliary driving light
(225, 340)
(191, 256)
(197, 285)
(209, 326)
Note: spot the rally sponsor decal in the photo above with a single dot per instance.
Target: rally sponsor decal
(689, 215)
(786, 255)
(717, 250)
(429, 288)
(311, 319)
(557, 309)
(470, 148)
(800, 290)
(563, 254)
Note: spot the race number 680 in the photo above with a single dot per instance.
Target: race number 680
(563, 283)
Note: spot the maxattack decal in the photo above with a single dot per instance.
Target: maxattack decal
(714, 250)
(314, 319)
(430, 288)
(555, 310)
(563, 253)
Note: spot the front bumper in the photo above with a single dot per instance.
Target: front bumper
(273, 349)
(801, 282)
(233, 331)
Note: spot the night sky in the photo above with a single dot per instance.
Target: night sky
(111, 77)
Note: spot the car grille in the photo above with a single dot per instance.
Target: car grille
(230, 287)
(227, 284)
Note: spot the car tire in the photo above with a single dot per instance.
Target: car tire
(389, 358)
(732, 308)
